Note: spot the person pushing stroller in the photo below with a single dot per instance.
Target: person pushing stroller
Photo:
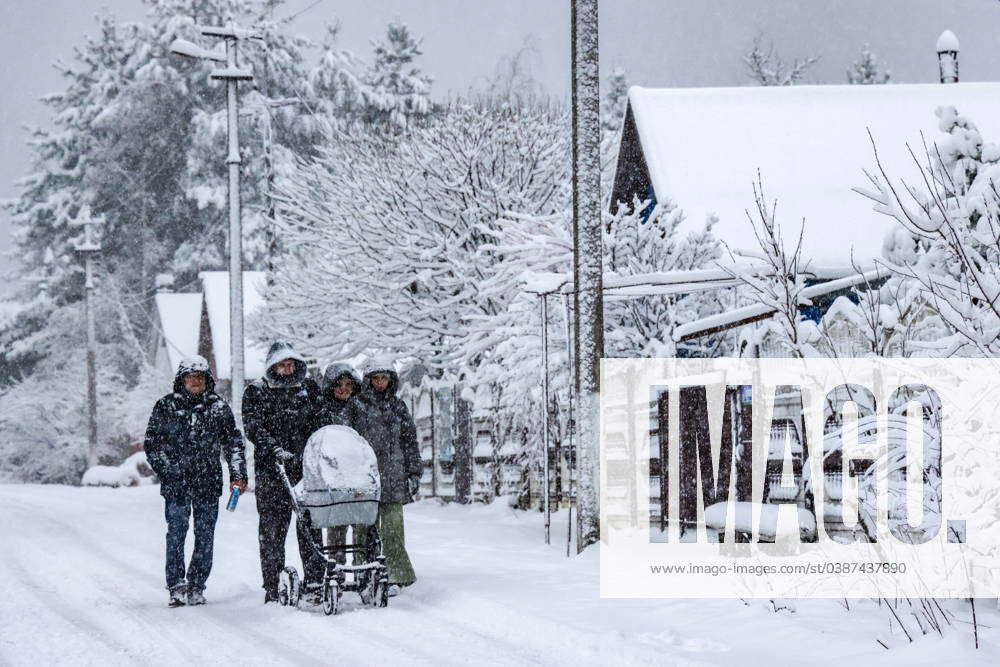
(340, 384)
(278, 411)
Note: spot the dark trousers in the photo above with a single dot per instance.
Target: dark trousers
(178, 514)
(275, 510)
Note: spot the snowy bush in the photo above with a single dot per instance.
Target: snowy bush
(949, 242)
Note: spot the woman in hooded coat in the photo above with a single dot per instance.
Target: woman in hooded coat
(340, 384)
(383, 419)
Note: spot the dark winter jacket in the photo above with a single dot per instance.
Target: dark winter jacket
(186, 435)
(278, 412)
(383, 419)
(332, 410)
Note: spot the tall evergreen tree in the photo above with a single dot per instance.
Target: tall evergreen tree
(399, 92)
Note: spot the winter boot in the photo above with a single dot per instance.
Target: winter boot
(178, 596)
(196, 597)
(270, 596)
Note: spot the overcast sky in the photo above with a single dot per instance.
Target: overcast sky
(662, 43)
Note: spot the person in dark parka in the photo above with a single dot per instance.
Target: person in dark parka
(340, 384)
(188, 430)
(278, 411)
(383, 419)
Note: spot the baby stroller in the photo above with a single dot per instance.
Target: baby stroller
(340, 487)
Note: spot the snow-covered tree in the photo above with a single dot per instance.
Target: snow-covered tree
(867, 69)
(138, 134)
(43, 416)
(613, 107)
(637, 243)
(778, 288)
(384, 234)
(953, 224)
(340, 93)
(766, 67)
(398, 92)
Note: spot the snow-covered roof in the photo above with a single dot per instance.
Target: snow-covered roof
(215, 286)
(703, 148)
(758, 311)
(180, 321)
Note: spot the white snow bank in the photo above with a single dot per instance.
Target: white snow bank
(125, 474)
(337, 457)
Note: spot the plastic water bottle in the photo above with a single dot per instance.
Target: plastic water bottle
(234, 498)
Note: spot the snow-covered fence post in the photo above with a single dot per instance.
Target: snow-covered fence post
(570, 424)
(947, 52)
(587, 259)
(464, 463)
(544, 299)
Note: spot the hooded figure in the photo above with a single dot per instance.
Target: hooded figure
(278, 412)
(334, 402)
(383, 419)
(340, 384)
(188, 431)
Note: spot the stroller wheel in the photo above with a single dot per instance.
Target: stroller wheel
(380, 588)
(289, 587)
(331, 597)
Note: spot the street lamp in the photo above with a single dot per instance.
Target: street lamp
(88, 248)
(947, 51)
(232, 75)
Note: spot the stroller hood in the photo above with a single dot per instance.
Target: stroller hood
(337, 457)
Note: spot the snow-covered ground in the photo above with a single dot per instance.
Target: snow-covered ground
(82, 573)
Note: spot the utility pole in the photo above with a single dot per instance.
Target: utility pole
(88, 248)
(587, 262)
(232, 75)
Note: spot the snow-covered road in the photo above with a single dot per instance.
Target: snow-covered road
(82, 573)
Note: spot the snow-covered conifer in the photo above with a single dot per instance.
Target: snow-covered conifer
(867, 69)
(398, 92)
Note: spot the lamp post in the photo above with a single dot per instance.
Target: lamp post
(232, 75)
(947, 51)
(88, 248)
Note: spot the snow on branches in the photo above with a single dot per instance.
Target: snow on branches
(949, 242)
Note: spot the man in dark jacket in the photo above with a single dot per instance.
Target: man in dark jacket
(383, 419)
(340, 384)
(187, 431)
(278, 411)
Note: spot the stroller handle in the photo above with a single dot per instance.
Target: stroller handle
(288, 485)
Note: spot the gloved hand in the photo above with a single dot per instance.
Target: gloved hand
(413, 482)
(283, 454)
(242, 486)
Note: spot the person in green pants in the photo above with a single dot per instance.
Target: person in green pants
(383, 419)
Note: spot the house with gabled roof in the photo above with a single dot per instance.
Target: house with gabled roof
(809, 146)
(190, 323)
